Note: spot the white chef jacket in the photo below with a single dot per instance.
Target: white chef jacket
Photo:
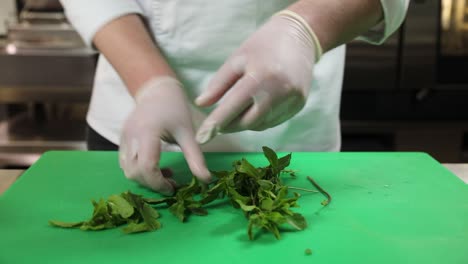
(196, 37)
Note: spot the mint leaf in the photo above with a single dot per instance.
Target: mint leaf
(284, 162)
(245, 167)
(297, 221)
(178, 209)
(120, 206)
(267, 204)
(271, 157)
(64, 224)
(136, 228)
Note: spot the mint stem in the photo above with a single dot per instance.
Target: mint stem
(302, 189)
(329, 198)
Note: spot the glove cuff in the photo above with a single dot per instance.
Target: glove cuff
(153, 85)
(288, 14)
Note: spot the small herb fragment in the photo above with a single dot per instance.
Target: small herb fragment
(308, 251)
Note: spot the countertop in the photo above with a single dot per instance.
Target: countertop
(459, 169)
(8, 177)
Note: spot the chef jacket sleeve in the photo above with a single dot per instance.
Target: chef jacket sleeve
(394, 12)
(89, 16)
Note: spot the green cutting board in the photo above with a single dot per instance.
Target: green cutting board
(386, 208)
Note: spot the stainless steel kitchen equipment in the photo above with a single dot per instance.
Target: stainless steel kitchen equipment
(45, 83)
(423, 107)
(435, 49)
(8, 15)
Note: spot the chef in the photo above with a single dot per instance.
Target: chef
(224, 75)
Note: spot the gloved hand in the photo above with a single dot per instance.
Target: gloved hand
(265, 82)
(161, 113)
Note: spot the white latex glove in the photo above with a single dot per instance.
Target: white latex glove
(161, 113)
(263, 83)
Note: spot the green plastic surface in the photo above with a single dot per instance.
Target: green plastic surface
(386, 208)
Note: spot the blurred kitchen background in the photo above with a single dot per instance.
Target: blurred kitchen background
(410, 94)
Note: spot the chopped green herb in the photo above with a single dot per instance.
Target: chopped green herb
(126, 208)
(257, 191)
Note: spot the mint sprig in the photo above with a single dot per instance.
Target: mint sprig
(258, 192)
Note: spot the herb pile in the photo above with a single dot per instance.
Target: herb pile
(258, 192)
(125, 208)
